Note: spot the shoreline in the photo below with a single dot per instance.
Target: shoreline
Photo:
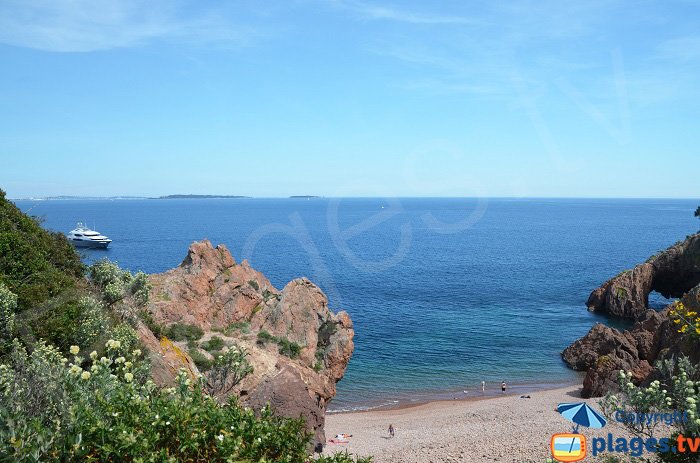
(505, 428)
(468, 395)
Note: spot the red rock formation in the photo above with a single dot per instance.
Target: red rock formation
(604, 351)
(672, 273)
(211, 291)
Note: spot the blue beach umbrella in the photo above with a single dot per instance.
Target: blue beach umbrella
(582, 415)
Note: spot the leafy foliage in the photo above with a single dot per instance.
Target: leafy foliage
(35, 264)
(184, 332)
(117, 284)
(8, 305)
(678, 390)
(243, 327)
(203, 362)
(96, 410)
(228, 370)
(285, 347)
(214, 344)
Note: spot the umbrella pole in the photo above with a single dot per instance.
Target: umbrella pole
(574, 439)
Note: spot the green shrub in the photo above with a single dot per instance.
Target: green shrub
(92, 322)
(55, 321)
(215, 344)
(96, 410)
(8, 306)
(285, 346)
(116, 283)
(289, 348)
(254, 284)
(35, 264)
(243, 327)
(184, 332)
(228, 370)
(677, 389)
(203, 362)
(265, 337)
(150, 322)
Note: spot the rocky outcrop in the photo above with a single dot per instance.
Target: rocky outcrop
(604, 351)
(237, 303)
(671, 273)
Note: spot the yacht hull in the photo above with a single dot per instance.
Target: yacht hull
(90, 244)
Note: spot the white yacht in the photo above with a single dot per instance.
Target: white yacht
(83, 237)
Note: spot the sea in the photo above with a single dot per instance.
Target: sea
(444, 293)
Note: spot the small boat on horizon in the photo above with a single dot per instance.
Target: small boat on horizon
(82, 237)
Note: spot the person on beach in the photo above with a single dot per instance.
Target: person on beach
(391, 430)
(503, 386)
(483, 387)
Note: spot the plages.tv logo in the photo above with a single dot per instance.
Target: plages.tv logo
(571, 446)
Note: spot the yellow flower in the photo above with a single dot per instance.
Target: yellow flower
(74, 350)
(85, 375)
(128, 377)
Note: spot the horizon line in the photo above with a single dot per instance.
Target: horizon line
(309, 197)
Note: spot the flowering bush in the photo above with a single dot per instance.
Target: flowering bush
(228, 370)
(679, 390)
(92, 322)
(94, 409)
(687, 319)
(116, 283)
(8, 305)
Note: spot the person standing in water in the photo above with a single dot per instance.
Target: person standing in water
(503, 386)
(391, 430)
(483, 387)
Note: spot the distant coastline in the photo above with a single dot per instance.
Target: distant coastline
(202, 197)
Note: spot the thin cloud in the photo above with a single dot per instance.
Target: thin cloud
(388, 13)
(683, 49)
(90, 25)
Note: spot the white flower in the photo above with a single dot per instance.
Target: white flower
(75, 369)
(136, 353)
(167, 423)
(128, 377)
(93, 354)
(112, 344)
(128, 364)
(74, 350)
(120, 360)
(220, 437)
(85, 375)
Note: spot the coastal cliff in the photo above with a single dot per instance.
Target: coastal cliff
(604, 351)
(671, 273)
(297, 347)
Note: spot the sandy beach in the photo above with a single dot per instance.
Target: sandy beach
(502, 429)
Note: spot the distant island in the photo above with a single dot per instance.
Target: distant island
(75, 198)
(201, 197)
(304, 197)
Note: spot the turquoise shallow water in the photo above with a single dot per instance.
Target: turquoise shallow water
(444, 293)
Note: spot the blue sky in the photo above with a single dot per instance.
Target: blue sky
(350, 98)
